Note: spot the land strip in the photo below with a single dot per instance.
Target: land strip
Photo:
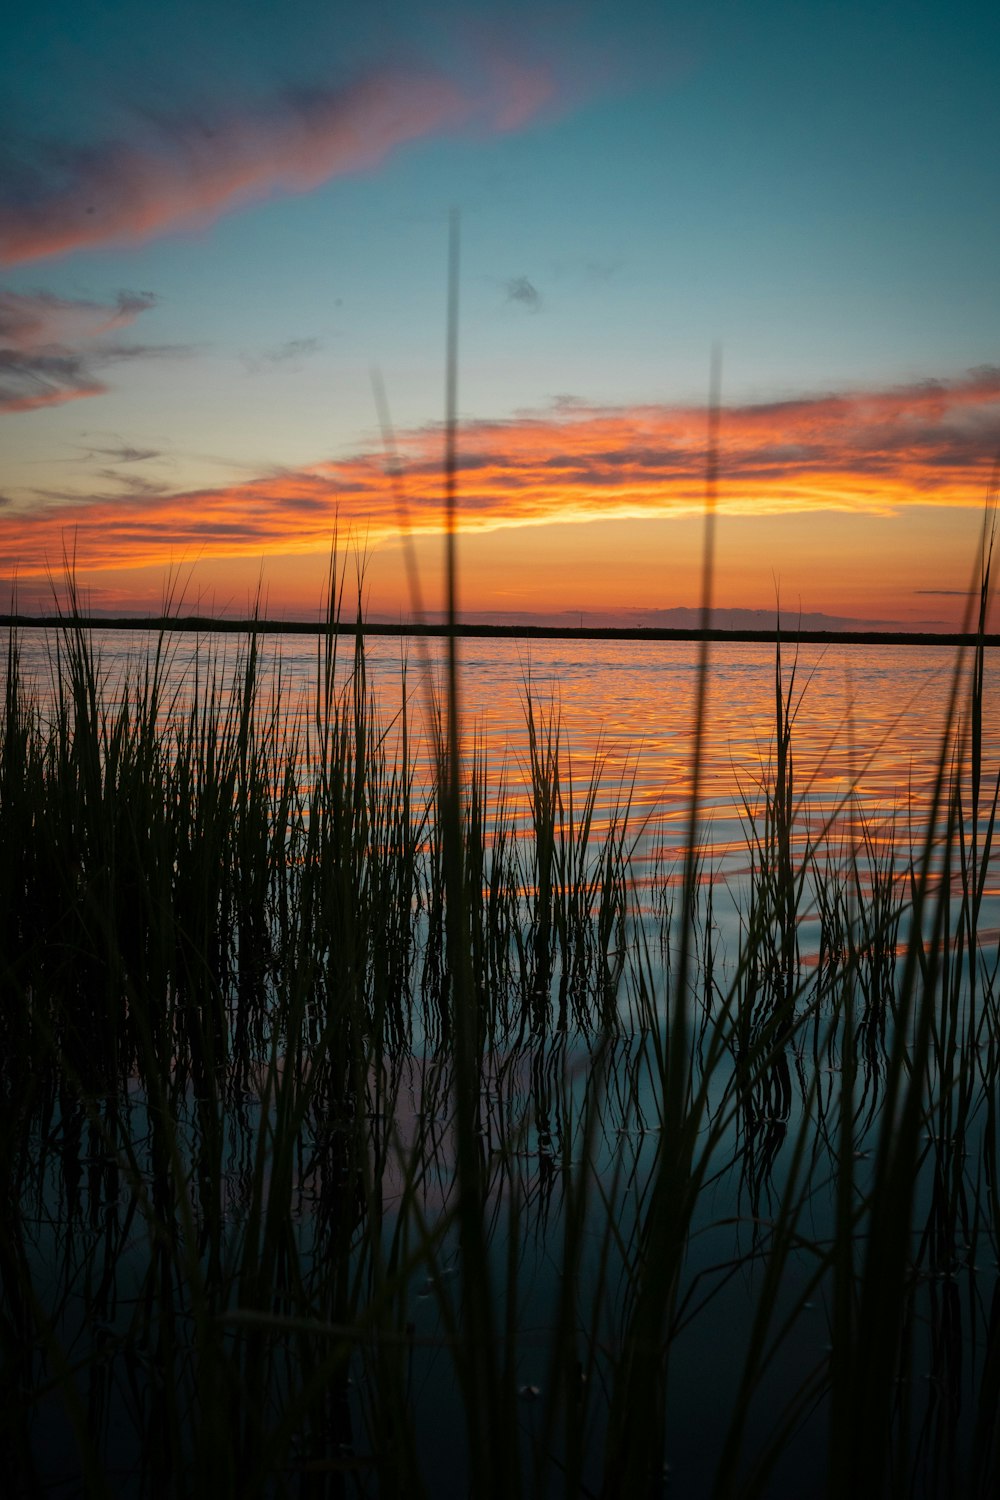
(206, 623)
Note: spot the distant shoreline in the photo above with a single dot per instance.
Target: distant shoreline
(205, 624)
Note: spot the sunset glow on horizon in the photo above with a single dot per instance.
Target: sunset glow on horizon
(196, 287)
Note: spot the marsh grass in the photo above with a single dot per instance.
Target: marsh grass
(367, 1129)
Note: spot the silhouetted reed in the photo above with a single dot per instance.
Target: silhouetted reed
(358, 1101)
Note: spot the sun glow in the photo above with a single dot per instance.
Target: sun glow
(547, 477)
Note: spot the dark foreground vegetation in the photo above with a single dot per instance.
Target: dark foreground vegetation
(368, 1130)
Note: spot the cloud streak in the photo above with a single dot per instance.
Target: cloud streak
(523, 292)
(869, 453)
(34, 320)
(39, 365)
(289, 354)
(125, 453)
(31, 381)
(187, 171)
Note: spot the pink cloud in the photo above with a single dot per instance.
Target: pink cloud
(39, 366)
(30, 385)
(518, 93)
(36, 320)
(188, 172)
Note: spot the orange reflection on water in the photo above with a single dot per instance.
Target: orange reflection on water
(867, 735)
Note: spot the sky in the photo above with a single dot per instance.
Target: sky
(217, 221)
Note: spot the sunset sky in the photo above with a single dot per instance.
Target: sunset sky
(217, 220)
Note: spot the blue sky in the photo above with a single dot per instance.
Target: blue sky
(814, 187)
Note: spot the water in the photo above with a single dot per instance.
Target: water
(868, 719)
(866, 744)
(868, 729)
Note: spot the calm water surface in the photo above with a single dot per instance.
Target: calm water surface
(867, 736)
(868, 717)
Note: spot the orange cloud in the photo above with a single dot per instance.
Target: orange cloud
(190, 171)
(872, 452)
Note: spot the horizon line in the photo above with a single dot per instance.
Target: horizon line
(251, 625)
